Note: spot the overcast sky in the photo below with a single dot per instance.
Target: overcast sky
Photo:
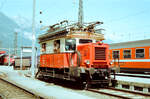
(124, 20)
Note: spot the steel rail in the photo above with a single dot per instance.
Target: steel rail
(109, 94)
(129, 91)
(118, 95)
(128, 75)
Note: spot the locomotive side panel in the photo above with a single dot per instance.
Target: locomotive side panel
(44, 60)
(59, 60)
(85, 52)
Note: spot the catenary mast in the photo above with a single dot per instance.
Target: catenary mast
(15, 43)
(80, 14)
(33, 41)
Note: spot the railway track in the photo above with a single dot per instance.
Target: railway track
(121, 94)
(11, 91)
(1, 97)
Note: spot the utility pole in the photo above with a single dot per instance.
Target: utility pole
(21, 66)
(80, 14)
(33, 41)
(15, 42)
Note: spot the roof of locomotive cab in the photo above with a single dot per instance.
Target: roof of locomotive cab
(61, 32)
(70, 34)
(70, 31)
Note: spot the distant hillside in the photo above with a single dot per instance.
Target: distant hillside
(7, 28)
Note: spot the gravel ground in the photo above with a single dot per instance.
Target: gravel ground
(0, 97)
(12, 92)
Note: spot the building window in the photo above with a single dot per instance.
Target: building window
(140, 53)
(127, 53)
(115, 54)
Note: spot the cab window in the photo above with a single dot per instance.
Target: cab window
(56, 46)
(43, 47)
(70, 44)
(81, 41)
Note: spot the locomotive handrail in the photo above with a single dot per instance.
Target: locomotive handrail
(78, 58)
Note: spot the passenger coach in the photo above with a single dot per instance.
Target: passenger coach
(133, 56)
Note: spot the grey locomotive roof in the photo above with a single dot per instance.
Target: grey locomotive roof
(72, 30)
(51, 35)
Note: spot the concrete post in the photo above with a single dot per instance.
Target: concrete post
(145, 90)
(132, 88)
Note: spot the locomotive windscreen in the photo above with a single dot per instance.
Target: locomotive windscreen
(82, 41)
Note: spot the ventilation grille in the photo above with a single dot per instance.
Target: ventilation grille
(100, 53)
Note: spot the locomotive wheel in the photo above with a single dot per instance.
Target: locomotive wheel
(114, 82)
(86, 86)
(81, 85)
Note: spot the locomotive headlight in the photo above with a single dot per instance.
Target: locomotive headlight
(111, 63)
(87, 62)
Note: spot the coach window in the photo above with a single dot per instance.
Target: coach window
(140, 53)
(115, 54)
(127, 53)
(149, 51)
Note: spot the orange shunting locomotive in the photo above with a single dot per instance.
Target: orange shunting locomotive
(74, 53)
